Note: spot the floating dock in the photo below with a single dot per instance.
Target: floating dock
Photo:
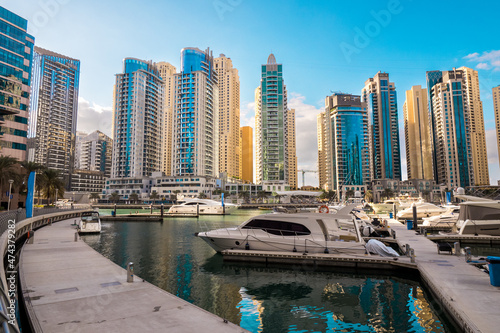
(69, 287)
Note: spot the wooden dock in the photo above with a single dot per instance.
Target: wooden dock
(69, 287)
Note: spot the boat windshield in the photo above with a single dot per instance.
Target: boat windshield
(470, 212)
(277, 227)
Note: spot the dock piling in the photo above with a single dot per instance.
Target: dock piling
(456, 245)
(76, 236)
(130, 272)
(412, 255)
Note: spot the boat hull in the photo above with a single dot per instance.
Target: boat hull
(480, 227)
(202, 210)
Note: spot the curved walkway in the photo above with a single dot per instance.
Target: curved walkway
(69, 287)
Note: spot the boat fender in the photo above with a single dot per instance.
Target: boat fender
(324, 209)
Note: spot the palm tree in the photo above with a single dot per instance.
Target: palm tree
(29, 167)
(349, 193)
(369, 195)
(202, 195)
(94, 196)
(51, 183)
(261, 195)
(154, 196)
(7, 171)
(114, 197)
(133, 197)
(176, 192)
(245, 195)
(387, 193)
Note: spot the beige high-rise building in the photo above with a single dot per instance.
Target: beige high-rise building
(323, 174)
(229, 116)
(292, 150)
(417, 134)
(496, 109)
(167, 72)
(476, 126)
(246, 153)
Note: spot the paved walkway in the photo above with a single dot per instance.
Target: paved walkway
(69, 287)
(462, 288)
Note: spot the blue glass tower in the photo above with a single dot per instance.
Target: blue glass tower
(380, 96)
(137, 114)
(16, 54)
(196, 116)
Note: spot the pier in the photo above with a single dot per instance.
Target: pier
(69, 287)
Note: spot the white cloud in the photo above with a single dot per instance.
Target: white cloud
(247, 114)
(486, 60)
(92, 117)
(492, 150)
(306, 137)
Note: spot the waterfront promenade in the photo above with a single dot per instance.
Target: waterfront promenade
(69, 287)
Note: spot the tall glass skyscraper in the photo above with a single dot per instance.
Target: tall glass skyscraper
(344, 144)
(53, 114)
(272, 126)
(380, 97)
(196, 116)
(137, 119)
(16, 54)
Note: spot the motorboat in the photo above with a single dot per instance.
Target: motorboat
(301, 232)
(388, 205)
(424, 209)
(479, 218)
(90, 224)
(447, 219)
(203, 207)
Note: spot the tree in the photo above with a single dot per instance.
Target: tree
(176, 193)
(387, 193)
(245, 195)
(94, 196)
(154, 196)
(261, 195)
(28, 168)
(134, 197)
(202, 195)
(7, 172)
(349, 193)
(425, 194)
(51, 183)
(114, 197)
(369, 195)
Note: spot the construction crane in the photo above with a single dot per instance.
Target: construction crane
(303, 173)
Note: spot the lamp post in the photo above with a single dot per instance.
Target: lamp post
(10, 193)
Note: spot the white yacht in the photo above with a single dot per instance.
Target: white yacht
(424, 209)
(90, 224)
(447, 219)
(202, 207)
(388, 205)
(479, 218)
(301, 232)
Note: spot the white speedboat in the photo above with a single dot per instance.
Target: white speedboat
(90, 224)
(447, 219)
(203, 207)
(302, 232)
(388, 205)
(479, 218)
(424, 209)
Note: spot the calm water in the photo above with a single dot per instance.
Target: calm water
(263, 299)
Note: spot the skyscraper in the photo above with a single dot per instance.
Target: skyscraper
(16, 54)
(472, 99)
(291, 150)
(229, 116)
(272, 123)
(137, 119)
(380, 97)
(343, 139)
(246, 153)
(452, 144)
(94, 152)
(53, 115)
(196, 115)
(496, 109)
(167, 72)
(417, 134)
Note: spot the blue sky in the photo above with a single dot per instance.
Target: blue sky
(324, 46)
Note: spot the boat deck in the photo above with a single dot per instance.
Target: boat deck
(69, 287)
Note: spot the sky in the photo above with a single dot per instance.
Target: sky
(324, 46)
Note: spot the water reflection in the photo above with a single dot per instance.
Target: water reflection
(259, 298)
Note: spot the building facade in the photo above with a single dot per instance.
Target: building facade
(94, 152)
(16, 55)
(54, 108)
(229, 116)
(167, 72)
(137, 119)
(246, 153)
(87, 181)
(322, 130)
(291, 150)
(344, 144)
(496, 110)
(417, 134)
(379, 94)
(452, 147)
(272, 126)
(196, 116)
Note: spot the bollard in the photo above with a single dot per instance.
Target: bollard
(415, 222)
(76, 236)
(468, 254)
(130, 272)
(393, 232)
(407, 250)
(456, 245)
(412, 255)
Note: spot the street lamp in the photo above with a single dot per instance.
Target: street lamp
(10, 193)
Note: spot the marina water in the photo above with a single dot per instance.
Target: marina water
(265, 299)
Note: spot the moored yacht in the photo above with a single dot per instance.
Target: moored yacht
(90, 224)
(203, 207)
(301, 232)
(424, 209)
(447, 219)
(479, 218)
